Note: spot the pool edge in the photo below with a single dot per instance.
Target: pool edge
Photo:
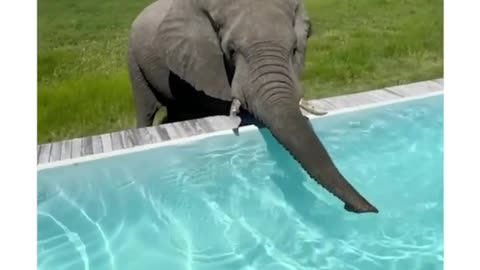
(89, 148)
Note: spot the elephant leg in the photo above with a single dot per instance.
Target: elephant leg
(146, 103)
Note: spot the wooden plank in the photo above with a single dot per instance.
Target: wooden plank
(44, 154)
(415, 89)
(76, 147)
(439, 81)
(393, 93)
(172, 133)
(197, 127)
(106, 142)
(97, 146)
(127, 139)
(162, 132)
(217, 123)
(381, 95)
(117, 142)
(223, 122)
(144, 136)
(322, 104)
(56, 152)
(186, 128)
(141, 136)
(351, 100)
(66, 152)
(131, 137)
(193, 128)
(154, 136)
(205, 125)
(179, 130)
(38, 153)
(87, 148)
(363, 98)
(343, 102)
(333, 103)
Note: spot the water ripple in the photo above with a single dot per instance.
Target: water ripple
(96, 224)
(243, 203)
(74, 238)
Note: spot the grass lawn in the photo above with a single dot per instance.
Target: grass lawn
(83, 86)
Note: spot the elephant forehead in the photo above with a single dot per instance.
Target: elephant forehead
(245, 32)
(230, 8)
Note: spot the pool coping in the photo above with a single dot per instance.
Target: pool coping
(82, 149)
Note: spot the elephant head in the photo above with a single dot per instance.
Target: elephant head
(253, 52)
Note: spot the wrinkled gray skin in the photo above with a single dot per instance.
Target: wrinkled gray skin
(262, 43)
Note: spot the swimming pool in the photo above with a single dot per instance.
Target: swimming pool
(228, 202)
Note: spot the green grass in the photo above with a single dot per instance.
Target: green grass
(83, 86)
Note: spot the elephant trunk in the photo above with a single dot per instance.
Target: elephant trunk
(272, 100)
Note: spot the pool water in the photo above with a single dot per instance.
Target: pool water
(230, 202)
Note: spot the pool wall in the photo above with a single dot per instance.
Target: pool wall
(131, 140)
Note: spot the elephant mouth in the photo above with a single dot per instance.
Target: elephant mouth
(247, 118)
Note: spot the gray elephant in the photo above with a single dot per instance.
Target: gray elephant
(209, 57)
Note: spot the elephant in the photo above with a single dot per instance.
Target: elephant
(232, 57)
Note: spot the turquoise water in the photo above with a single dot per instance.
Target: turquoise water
(242, 203)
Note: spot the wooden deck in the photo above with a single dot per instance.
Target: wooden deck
(124, 139)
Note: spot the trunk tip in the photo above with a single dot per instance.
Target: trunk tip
(368, 208)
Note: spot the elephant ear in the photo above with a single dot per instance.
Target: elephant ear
(303, 32)
(188, 42)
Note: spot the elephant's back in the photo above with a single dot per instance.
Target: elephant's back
(150, 18)
(144, 29)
